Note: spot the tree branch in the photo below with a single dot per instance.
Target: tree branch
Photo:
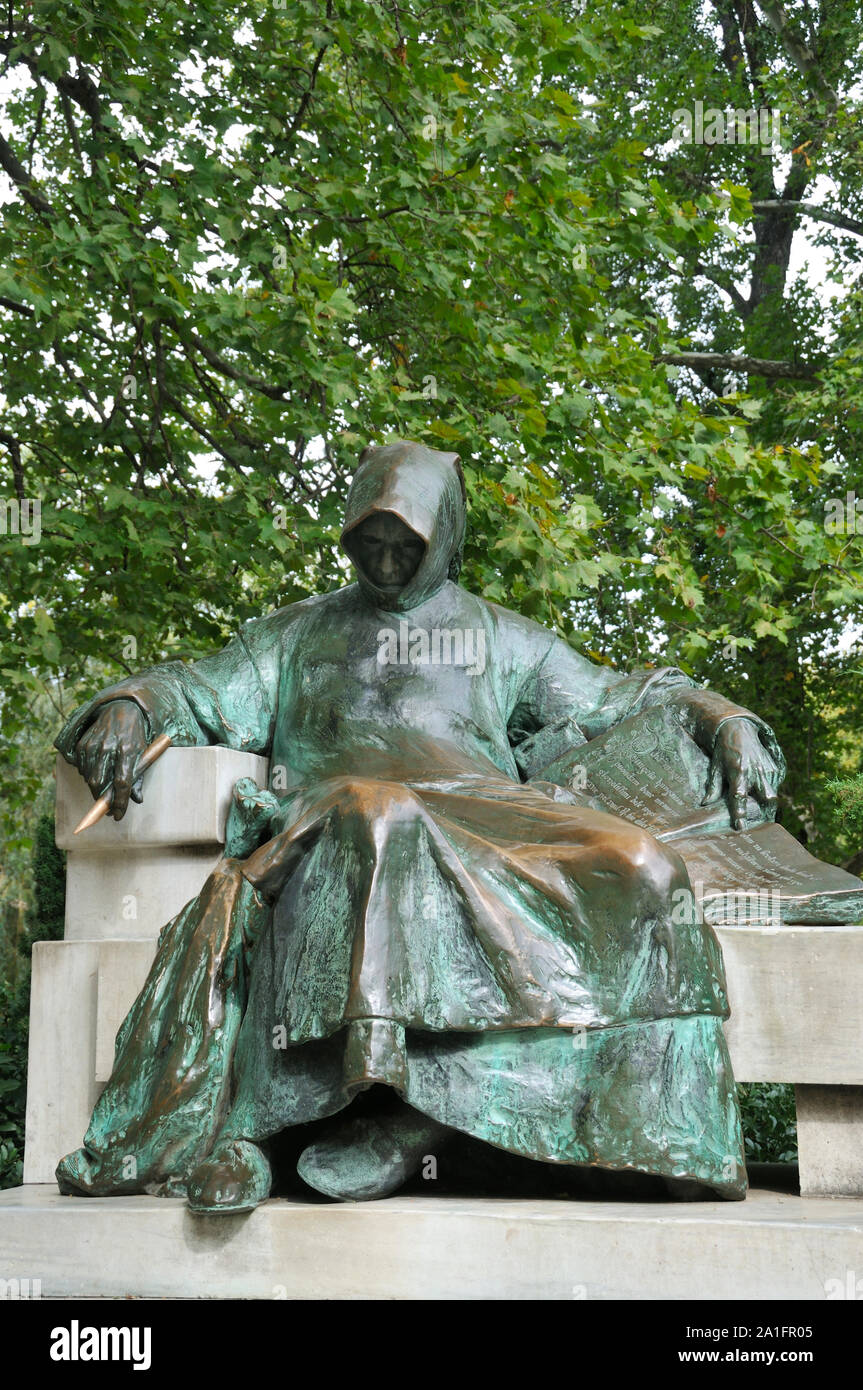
(14, 447)
(738, 50)
(726, 361)
(307, 94)
(723, 283)
(203, 432)
(36, 131)
(835, 219)
(70, 125)
(18, 308)
(275, 393)
(777, 540)
(19, 176)
(798, 50)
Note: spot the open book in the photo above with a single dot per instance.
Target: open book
(648, 771)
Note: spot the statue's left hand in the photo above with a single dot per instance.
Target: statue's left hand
(741, 764)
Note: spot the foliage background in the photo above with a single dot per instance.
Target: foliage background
(239, 242)
(44, 923)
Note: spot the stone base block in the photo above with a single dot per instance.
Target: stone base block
(796, 1003)
(830, 1139)
(772, 1246)
(186, 798)
(128, 878)
(80, 993)
(132, 895)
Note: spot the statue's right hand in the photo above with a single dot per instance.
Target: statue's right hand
(107, 753)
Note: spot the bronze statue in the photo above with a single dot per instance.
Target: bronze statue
(411, 904)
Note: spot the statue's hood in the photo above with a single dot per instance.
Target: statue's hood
(425, 489)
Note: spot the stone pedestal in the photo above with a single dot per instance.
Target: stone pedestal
(772, 1246)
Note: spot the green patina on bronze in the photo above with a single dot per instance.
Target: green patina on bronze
(404, 907)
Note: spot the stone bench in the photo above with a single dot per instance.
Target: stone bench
(124, 881)
(796, 993)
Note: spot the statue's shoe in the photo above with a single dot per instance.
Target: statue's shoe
(369, 1157)
(236, 1177)
(76, 1174)
(85, 1174)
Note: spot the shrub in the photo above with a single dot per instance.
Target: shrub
(769, 1122)
(848, 792)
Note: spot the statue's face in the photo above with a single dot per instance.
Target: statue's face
(387, 551)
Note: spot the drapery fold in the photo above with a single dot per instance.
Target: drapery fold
(520, 983)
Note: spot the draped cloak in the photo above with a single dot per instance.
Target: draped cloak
(403, 906)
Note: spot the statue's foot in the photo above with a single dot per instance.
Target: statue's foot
(236, 1177)
(75, 1174)
(369, 1157)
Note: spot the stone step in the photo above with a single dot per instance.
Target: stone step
(774, 1245)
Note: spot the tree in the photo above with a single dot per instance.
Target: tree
(241, 243)
(751, 336)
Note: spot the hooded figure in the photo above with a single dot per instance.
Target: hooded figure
(405, 908)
